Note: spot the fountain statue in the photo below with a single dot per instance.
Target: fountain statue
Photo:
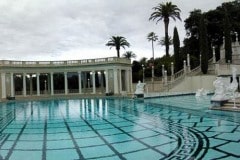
(220, 90)
(224, 91)
(139, 93)
(201, 92)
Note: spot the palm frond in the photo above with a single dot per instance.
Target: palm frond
(118, 42)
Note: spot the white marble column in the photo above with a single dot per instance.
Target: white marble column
(93, 82)
(52, 83)
(116, 82)
(106, 79)
(3, 79)
(130, 80)
(127, 80)
(24, 85)
(80, 82)
(12, 84)
(65, 83)
(120, 80)
(38, 84)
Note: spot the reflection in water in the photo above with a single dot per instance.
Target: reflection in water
(92, 108)
(100, 109)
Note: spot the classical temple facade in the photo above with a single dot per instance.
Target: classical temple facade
(48, 78)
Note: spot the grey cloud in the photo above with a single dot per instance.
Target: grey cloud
(44, 29)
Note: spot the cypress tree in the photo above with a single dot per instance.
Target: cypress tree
(203, 45)
(176, 47)
(228, 41)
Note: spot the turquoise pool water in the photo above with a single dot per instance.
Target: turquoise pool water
(113, 129)
(184, 101)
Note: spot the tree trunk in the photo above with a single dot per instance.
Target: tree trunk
(166, 22)
(153, 51)
(118, 53)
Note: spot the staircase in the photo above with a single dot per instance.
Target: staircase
(229, 106)
(160, 86)
(180, 75)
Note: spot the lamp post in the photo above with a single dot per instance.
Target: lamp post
(45, 86)
(88, 83)
(172, 71)
(188, 63)
(152, 77)
(236, 36)
(143, 71)
(200, 60)
(165, 77)
(214, 56)
(163, 73)
(163, 70)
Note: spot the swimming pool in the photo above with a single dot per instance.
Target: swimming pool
(112, 129)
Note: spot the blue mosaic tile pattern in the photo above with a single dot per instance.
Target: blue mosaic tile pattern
(113, 129)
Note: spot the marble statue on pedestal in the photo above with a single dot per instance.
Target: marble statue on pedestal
(223, 91)
(139, 89)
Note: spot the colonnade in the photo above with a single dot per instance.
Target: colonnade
(113, 80)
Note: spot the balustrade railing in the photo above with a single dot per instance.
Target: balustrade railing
(179, 74)
(62, 63)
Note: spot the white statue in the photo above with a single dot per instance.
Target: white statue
(225, 91)
(140, 88)
(234, 85)
(220, 89)
(201, 92)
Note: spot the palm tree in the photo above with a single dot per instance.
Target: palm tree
(143, 61)
(152, 37)
(117, 42)
(162, 41)
(165, 12)
(129, 55)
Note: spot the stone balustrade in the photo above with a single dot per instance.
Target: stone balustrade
(64, 63)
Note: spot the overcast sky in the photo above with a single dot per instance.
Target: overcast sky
(79, 29)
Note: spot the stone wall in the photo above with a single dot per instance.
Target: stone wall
(193, 83)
